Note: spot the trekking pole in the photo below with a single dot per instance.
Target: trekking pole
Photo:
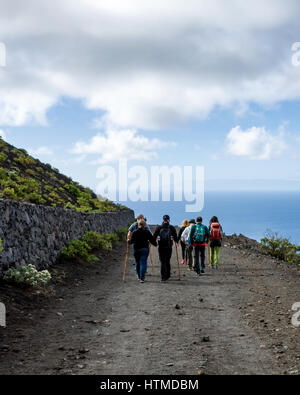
(178, 261)
(125, 264)
(151, 261)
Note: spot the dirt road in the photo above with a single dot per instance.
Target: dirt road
(235, 321)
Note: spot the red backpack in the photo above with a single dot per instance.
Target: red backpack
(215, 231)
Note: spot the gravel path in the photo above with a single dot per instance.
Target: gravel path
(235, 321)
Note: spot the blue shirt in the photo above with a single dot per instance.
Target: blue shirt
(133, 227)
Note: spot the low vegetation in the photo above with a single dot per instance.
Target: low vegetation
(28, 275)
(280, 248)
(82, 248)
(78, 248)
(26, 179)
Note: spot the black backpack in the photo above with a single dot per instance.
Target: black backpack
(165, 237)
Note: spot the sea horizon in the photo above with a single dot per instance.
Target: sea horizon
(251, 213)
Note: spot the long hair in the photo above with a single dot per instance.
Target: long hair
(213, 219)
(185, 223)
(142, 224)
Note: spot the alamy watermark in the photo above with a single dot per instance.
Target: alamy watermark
(2, 55)
(296, 316)
(296, 55)
(2, 315)
(157, 183)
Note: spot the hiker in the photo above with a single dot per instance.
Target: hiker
(134, 226)
(189, 247)
(199, 236)
(184, 225)
(216, 235)
(140, 238)
(166, 235)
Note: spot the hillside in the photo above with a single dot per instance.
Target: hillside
(26, 179)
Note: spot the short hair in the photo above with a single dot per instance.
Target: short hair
(213, 219)
(199, 219)
(140, 216)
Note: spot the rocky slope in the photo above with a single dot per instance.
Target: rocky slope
(26, 179)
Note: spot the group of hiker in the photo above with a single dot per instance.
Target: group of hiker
(193, 238)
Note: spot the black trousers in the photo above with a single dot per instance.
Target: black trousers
(183, 246)
(199, 251)
(165, 255)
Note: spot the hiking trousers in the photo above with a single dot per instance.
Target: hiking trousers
(199, 251)
(165, 255)
(141, 256)
(189, 255)
(215, 256)
(183, 248)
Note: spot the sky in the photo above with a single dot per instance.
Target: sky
(209, 83)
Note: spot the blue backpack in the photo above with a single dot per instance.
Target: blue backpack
(199, 236)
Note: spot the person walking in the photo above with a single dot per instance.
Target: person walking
(165, 234)
(216, 236)
(184, 225)
(140, 239)
(134, 226)
(189, 247)
(199, 236)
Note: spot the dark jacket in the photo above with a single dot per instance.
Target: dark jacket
(166, 225)
(140, 239)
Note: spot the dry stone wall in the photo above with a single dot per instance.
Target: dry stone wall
(34, 234)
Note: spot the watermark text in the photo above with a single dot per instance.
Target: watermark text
(2, 55)
(157, 183)
(2, 315)
(296, 316)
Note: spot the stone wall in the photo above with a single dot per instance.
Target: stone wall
(36, 234)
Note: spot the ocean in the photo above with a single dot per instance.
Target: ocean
(247, 213)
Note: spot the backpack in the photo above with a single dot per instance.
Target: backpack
(199, 236)
(165, 238)
(215, 232)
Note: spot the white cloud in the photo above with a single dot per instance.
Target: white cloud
(2, 134)
(115, 145)
(41, 151)
(146, 64)
(255, 143)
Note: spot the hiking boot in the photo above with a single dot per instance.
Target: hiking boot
(202, 271)
(142, 281)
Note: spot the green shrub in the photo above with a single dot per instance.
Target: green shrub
(280, 248)
(1, 248)
(3, 157)
(122, 234)
(72, 189)
(76, 249)
(28, 275)
(80, 248)
(93, 239)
